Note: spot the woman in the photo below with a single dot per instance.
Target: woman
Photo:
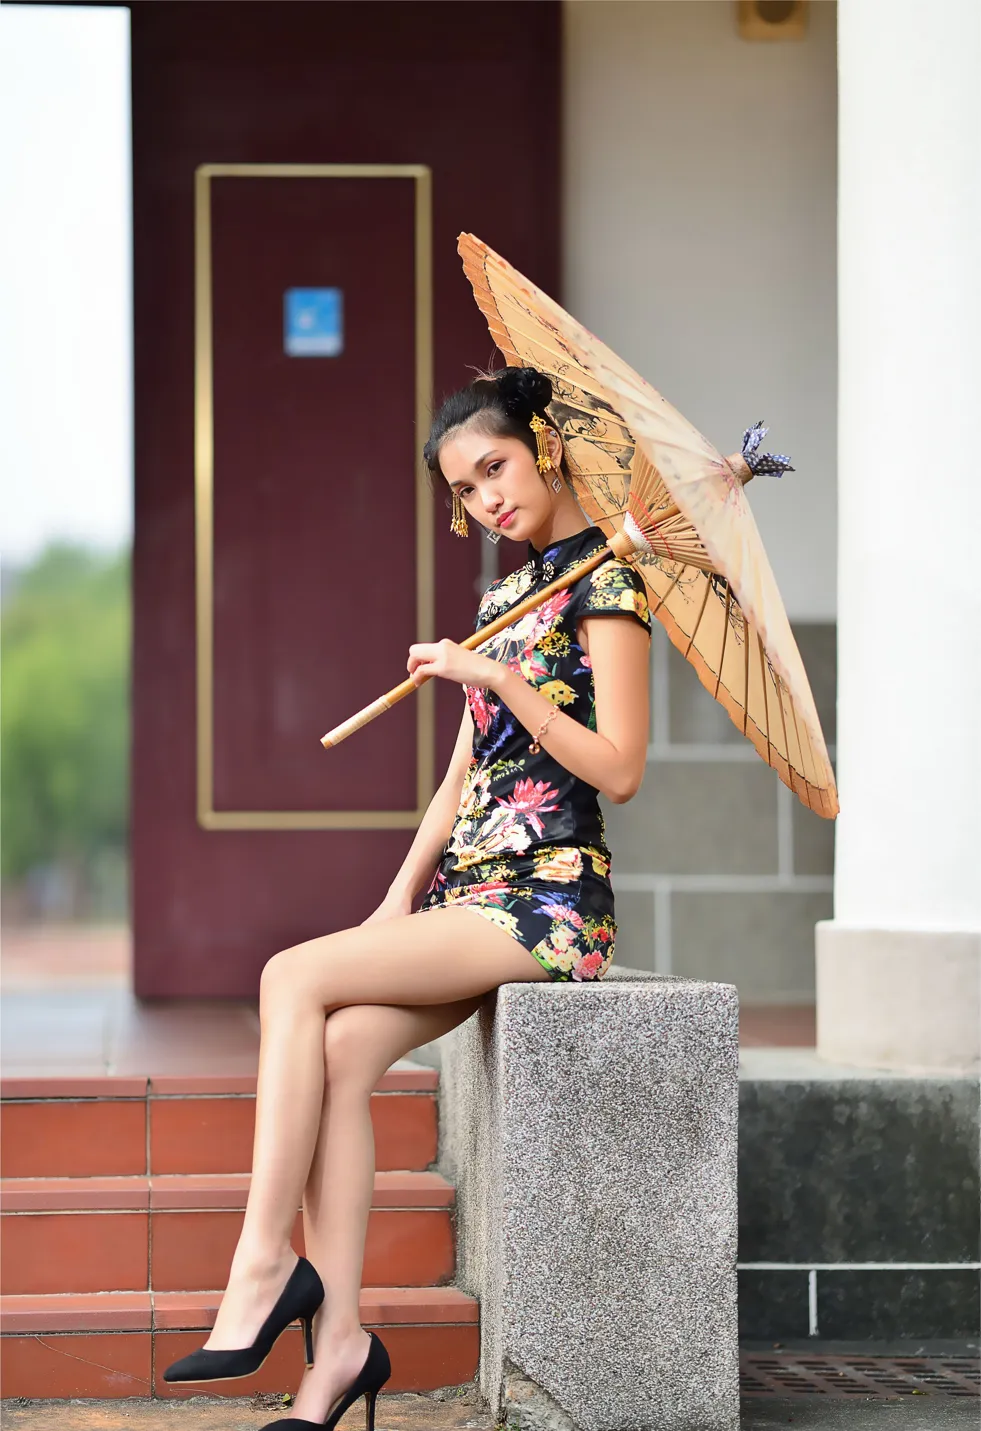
(556, 711)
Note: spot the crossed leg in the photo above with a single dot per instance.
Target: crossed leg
(360, 1042)
(438, 963)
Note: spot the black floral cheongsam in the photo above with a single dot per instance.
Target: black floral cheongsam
(528, 846)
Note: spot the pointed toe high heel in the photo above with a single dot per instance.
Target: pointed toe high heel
(299, 1300)
(368, 1382)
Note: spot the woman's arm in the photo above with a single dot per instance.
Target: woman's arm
(434, 829)
(614, 756)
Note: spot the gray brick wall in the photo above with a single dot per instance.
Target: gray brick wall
(719, 872)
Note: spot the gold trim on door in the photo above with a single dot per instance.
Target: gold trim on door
(204, 475)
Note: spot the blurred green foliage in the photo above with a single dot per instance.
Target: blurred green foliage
(64, 709)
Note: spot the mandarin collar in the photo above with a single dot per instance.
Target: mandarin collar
(564, 552)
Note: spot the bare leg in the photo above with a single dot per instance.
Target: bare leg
(433, 957)
(361, 1042)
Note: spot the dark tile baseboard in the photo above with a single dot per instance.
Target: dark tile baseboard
(855, 1302)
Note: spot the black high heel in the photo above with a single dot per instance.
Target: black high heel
(368, 1382)
(299, 1300)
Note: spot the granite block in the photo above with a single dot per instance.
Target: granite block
(590, 1132)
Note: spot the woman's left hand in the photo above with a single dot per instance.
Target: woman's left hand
(452, 662)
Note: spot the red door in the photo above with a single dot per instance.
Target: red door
(320, 568)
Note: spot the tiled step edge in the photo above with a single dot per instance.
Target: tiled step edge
(195, 1311)
(195, 1191)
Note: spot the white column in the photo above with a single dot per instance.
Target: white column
(899, 966)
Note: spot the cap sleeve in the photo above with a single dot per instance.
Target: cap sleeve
(616, 588)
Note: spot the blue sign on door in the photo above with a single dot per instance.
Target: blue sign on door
(313, 322)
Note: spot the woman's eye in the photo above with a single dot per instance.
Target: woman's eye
(492, 468)
(465, 491)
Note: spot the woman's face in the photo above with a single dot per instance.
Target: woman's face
(499, 482)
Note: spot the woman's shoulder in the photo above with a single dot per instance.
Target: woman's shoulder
(503, 592)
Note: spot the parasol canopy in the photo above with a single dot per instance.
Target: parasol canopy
(638, 466)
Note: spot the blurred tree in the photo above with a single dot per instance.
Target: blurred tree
(64, 709)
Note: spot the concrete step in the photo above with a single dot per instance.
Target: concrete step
(174, 1233)
(117, 1344)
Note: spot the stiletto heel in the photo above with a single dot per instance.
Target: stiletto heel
(299, 1300)
(368, 1382)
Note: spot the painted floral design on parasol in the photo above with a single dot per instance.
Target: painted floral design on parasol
(641, 471)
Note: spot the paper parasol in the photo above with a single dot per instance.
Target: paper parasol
(633, 461)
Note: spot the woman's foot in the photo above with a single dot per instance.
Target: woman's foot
(250, 1296)
(338, 1357)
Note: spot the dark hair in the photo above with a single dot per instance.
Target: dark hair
(504, 403)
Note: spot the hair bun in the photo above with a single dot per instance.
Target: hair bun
(524, 391)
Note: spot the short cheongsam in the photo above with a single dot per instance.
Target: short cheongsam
(528, 845)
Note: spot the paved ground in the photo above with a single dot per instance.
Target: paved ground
(424, 1413)
(203, 1413)
(819, 1413)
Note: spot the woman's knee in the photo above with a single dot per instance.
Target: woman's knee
(350, 1053)
(279, 981)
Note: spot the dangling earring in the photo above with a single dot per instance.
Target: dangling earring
(539, 427)
(493, 537)
(458, 524)
(556, 483)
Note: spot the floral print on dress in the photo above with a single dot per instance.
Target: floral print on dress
(528, 846)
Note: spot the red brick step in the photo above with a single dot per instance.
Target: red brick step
(121, 1205)
(171, 1233)
(116, 1344)
(119, 1127)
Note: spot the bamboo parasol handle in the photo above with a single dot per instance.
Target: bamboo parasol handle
(619, 545)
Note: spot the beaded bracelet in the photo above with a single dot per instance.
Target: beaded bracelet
(535, 747)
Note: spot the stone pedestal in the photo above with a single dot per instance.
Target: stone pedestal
(591, 1134)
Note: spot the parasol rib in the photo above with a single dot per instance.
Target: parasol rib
(746, 636)
(662, 599)
(811, 753)
(806, 756)
(766, 703)
(786, 742)
(725, 637)
(698, 619)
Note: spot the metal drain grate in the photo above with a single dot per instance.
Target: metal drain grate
(800, 1374)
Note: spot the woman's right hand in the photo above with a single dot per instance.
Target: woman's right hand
(393, 906)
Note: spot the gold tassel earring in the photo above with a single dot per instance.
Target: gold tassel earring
(539, 427)
(458, 524)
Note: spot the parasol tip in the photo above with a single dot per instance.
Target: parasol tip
(766, 464)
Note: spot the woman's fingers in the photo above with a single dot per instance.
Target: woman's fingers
(424, 656)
